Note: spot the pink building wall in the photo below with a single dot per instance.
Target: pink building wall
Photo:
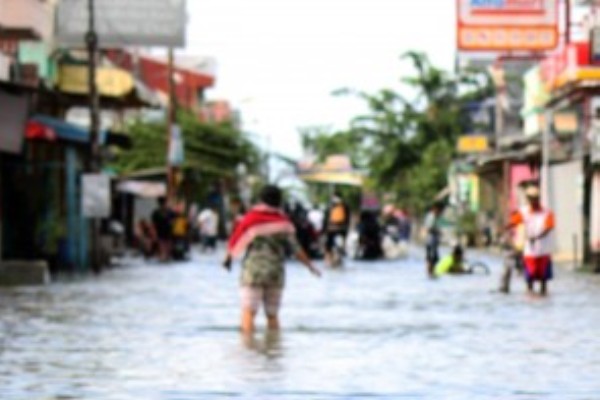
(34, 16)
(518, 174)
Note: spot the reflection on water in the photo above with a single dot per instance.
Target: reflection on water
(268, 345)
(378, 330)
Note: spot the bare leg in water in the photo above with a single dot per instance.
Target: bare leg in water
(273, 322)
(248, 316)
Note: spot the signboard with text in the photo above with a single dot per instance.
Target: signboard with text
(507, 25)
(473, 144)
(124, 22)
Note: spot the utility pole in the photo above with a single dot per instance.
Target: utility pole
(94, 105)
(92, 47)
(171, 110)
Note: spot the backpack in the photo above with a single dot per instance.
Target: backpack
(338, 215)
(180, 226)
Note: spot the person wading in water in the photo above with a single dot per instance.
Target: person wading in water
(261, 238)
(538, 222)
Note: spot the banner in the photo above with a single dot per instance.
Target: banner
(123, 22)
(95, 197)
(176, 148)
(507, 25)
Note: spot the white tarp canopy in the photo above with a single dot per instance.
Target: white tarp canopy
(143, 188)
(337, 170)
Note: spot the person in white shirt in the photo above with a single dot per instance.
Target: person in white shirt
(208, 221)
(316, 217)
(538, 222)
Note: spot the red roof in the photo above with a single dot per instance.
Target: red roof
(153, 72)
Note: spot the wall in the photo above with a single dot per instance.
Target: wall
(1, 209)
(35, 15)
(13, 114)
(566, 199)
(519, 173)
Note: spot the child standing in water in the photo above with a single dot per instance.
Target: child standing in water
(262, 237)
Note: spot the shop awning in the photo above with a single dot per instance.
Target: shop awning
(43, 127)
(332, 177)
(337, 170)
(112, 82)
(62, 130)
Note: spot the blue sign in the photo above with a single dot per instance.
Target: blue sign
(488, 4)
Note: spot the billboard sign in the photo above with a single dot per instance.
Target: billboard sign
(124, 22)
(507, 25)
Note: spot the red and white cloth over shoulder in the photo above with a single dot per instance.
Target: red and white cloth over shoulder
(262, 220)
(535, 223)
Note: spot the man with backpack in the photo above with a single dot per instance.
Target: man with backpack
(337, 223)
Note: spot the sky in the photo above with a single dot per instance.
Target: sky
(278, 61)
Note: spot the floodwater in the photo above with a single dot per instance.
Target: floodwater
(370, 331)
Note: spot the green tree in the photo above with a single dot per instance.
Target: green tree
(322, 142)
(212, 152)
(407, 142)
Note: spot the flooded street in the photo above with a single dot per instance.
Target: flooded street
(369, 331)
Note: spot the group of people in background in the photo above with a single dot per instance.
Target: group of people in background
(323, 231)
(171, 230)
(320, 230)
(528, 235)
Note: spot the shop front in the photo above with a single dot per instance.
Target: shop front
(571, 76)
(15, 102)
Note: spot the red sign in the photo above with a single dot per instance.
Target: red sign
(568, 60)
(516, 7)
(507, 25)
